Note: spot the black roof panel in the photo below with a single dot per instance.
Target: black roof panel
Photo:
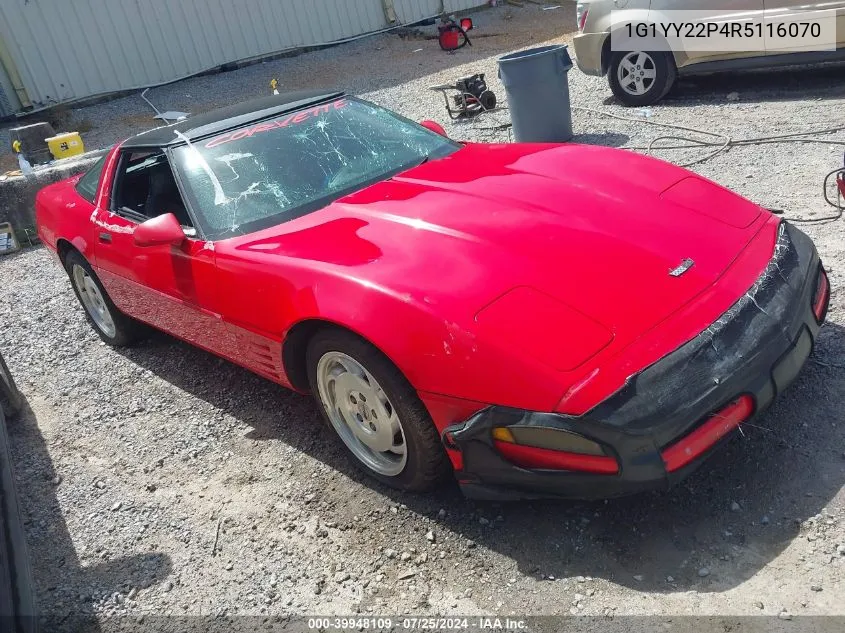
(223, 119)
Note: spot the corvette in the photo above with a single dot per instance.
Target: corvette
(540, 320)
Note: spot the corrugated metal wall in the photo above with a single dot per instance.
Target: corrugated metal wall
(8, 103)
(70, 49)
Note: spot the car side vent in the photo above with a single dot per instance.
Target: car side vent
(264, 360)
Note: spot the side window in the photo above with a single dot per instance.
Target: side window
(146, 188)
(87, 185)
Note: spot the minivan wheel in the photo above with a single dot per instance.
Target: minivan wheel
(640, 78)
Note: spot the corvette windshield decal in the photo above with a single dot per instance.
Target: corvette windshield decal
(292, 119)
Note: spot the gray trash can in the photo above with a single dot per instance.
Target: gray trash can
(538, 93)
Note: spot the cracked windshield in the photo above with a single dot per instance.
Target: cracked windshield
(271, 172)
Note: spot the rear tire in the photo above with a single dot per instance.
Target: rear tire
(383, 425)
(641, 78)
(114, 327)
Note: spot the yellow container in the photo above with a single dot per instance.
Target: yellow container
(64, 145)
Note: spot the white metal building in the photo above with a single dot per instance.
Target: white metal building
(54, 51)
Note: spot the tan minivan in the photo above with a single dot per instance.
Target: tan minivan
(641, 77)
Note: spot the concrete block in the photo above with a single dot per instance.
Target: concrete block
(17, 194)
(33, 140)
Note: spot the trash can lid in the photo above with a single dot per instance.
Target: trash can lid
(533, 52)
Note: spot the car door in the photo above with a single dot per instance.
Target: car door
(172, 287)
(829, 15)
(718, 11)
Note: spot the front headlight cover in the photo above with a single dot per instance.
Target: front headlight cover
(542, 327)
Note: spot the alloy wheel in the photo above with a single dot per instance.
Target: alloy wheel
(636, 73)
(93, 301)
(361, 413)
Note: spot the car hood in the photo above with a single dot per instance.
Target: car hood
(622, 239)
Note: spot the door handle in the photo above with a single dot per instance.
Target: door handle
(105, 237)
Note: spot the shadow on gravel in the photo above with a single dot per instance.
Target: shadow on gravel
(65, 591)
(711, 533)
(793, 84)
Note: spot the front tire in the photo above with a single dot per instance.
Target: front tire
(375, 412)
(114, 327)
(641, 78)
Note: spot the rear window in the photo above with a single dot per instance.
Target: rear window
(273, 171)
(88, 184)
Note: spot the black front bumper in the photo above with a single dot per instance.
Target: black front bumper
(756, 348)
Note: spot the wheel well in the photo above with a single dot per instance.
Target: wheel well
(294, 348)
(63, 247)
(605, 56)
(607, 52)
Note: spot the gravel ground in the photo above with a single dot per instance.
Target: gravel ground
(161, 480)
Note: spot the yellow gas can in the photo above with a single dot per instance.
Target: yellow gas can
(64, 145)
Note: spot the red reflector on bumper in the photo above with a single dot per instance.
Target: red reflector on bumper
(720, 424)
(544, 458)
(822, 295)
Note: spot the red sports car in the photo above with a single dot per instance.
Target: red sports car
(545, 320)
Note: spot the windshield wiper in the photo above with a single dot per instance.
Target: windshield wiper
(422, 161)
(409, 167)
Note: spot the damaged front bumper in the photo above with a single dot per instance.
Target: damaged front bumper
(753, 352)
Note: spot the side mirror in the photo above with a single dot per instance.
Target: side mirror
(466, 24)
(434, 126)
(165, 229)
